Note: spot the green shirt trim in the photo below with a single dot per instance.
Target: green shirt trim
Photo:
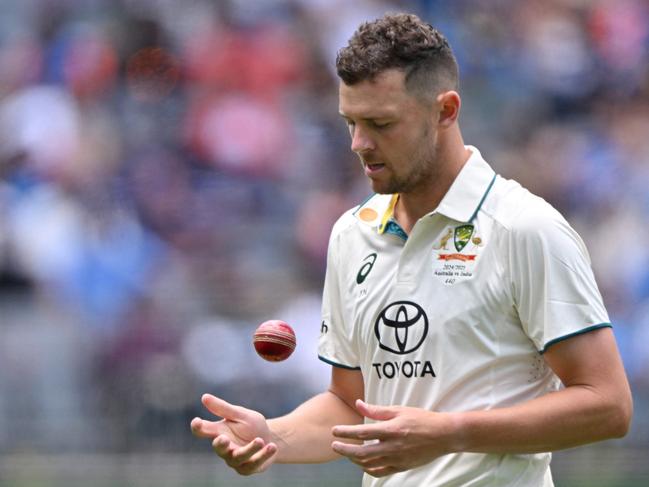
(570, 335)
(335, 364)
(484, 197)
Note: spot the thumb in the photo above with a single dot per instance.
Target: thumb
(373, 411)
(222, 408)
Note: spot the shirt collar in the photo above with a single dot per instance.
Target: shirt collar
(461, 202)
(469, 190)
(376, 210)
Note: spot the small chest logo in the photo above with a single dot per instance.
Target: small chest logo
(368, 263)
(461, 236)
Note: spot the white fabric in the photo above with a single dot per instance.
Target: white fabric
(453, 320)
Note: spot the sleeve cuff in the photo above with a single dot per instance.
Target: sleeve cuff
(579, 332)
(336, 364)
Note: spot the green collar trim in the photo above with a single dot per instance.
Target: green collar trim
(484, 197)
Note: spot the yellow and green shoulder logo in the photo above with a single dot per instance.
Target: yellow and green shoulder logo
(462, 236)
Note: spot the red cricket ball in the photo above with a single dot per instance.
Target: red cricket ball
(274, 340)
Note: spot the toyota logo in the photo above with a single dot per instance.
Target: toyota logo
(401, 327)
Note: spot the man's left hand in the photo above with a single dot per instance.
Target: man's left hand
(401, 438)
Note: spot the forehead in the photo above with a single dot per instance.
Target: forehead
(382, 96)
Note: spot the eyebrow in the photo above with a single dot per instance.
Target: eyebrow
(368, 119)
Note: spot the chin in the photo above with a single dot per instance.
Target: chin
(378, 187)
(383, 188)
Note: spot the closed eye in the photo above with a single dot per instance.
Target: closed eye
(369, 122)
(379, 125)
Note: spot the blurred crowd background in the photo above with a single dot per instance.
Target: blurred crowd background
(170, 171)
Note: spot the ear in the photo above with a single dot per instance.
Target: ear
(449, 103)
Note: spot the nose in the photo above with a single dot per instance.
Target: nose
(361, 142)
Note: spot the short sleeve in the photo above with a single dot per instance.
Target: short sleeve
(553, 285)
(336, 345)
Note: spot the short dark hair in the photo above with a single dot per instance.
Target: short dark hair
(400, 41)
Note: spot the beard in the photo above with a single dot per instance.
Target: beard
(423, 168)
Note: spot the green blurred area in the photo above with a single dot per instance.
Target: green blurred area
(585, 467)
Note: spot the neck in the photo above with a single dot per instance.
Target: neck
(413, 205)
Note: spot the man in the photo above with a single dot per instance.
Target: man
(466, 334)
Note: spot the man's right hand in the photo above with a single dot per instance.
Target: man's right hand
(242, 438)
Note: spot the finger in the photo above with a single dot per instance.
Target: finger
(373, 411)
(374, 431)
(206, 429)
(364, 457)
(264, 454)
(261, 460)
(268, 456)
(222, 408)
(357, 452)
(245, 453)
(351, 450)
(223, 447)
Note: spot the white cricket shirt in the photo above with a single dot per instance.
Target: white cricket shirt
(456, 315)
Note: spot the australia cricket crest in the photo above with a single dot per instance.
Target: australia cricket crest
(462, 235)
